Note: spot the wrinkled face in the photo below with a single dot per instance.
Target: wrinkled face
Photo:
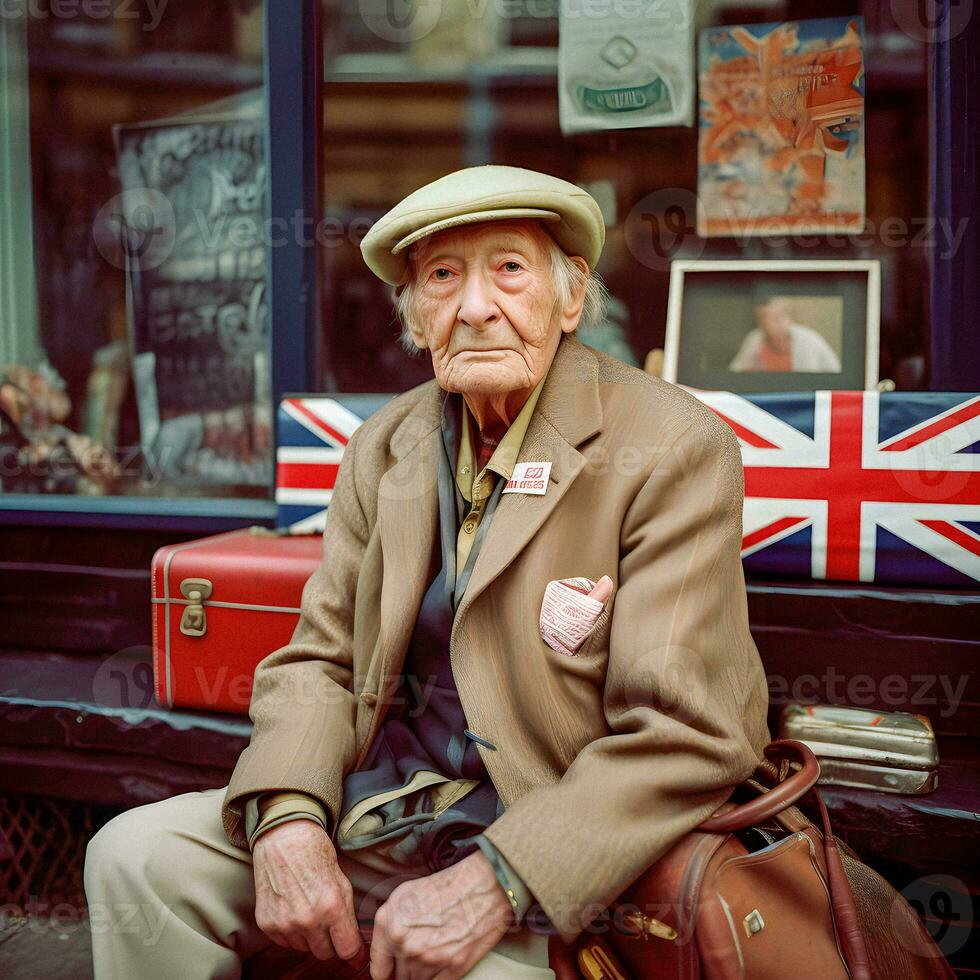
(486, 307)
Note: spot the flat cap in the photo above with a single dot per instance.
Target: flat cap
(488, 193)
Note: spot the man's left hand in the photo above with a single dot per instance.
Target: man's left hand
(439, 926)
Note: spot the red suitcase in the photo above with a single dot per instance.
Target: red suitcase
(221, 604)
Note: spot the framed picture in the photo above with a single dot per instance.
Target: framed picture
(792, 325)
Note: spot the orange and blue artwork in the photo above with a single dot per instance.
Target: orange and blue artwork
(781, 128)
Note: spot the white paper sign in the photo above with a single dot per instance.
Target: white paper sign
(529, 478)
(625, 64)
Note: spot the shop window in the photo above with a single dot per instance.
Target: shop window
(134, 336)
(403, 107)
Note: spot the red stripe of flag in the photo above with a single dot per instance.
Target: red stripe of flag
(963, 414)
(777, 527)
(307, 476)
(955, 534)
(318, 422)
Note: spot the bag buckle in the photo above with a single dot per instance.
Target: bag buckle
(595, 963)
(646, 927)
(194, 620)
(753, 923)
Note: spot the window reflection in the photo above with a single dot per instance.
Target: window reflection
(407, 100)
(140, 366)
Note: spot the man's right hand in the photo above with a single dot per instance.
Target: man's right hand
(302, 898)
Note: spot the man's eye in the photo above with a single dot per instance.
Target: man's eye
(441, 274)
(512, 266)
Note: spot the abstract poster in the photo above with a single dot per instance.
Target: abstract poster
(781, 134)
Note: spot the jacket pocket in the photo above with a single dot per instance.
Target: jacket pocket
(599, 628)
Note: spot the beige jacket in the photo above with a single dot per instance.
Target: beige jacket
(603, 759)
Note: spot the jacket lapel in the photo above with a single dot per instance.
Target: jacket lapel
(408, 516)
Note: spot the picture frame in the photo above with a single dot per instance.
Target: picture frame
(759, 343)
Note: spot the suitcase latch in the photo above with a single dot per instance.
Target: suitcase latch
(194, 620)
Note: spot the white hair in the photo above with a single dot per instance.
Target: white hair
(567, 278)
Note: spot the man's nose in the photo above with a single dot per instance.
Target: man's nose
(477, 306)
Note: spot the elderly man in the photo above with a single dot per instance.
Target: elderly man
(523, 669)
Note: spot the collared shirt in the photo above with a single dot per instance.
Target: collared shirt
(477, 487)
(477, 494)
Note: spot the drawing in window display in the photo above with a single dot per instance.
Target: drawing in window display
(781, 137)
(435, 785)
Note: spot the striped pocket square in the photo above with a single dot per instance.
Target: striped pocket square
(568, 614)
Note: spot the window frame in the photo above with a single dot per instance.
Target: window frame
(292, 74)
(954, 122)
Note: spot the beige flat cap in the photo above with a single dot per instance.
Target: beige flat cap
(488, 193)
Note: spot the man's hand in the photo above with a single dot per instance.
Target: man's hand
(302, 898)
(439, 926)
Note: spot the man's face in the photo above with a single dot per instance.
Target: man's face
(773, 319)
(486, 306)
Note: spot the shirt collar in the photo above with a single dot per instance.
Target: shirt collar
(455, 423)
(504, 456)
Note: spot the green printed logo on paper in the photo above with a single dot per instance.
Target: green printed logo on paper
(654, 97)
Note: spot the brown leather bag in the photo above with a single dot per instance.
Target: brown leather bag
(756, 892)
(759, 892)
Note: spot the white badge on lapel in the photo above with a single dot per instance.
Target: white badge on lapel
(529, 478)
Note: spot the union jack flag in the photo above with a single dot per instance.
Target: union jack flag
(312, 434)
(860, 486)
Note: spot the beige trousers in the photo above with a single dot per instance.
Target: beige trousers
(171, 898)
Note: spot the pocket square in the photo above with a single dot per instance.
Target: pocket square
(568, 614)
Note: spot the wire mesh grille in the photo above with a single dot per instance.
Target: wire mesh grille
(42, 850)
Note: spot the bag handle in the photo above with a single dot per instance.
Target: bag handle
(782, 795)
(842, 898)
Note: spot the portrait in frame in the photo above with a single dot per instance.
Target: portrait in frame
(780, 325)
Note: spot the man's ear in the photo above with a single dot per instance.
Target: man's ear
(417, 335)
(572, 313)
